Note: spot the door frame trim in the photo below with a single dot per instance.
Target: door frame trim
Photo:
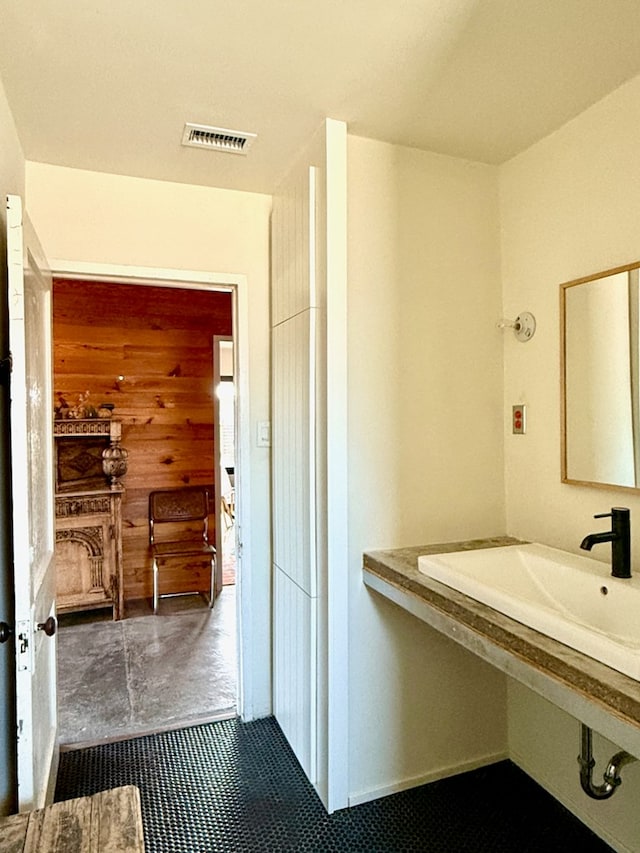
(217, 456)
(238, 286)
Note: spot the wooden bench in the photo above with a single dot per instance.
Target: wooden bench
(108, 822)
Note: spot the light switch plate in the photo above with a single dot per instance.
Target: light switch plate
(263, 438)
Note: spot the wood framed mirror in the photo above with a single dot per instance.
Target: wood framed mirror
(600, 379)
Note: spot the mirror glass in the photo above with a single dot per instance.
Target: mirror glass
(600, 351)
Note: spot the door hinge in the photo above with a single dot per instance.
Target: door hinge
(23, 645)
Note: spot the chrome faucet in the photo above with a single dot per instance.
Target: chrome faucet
(620, 538)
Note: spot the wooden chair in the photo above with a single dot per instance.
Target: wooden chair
(179, 530)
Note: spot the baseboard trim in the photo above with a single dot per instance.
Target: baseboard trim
(432, 776)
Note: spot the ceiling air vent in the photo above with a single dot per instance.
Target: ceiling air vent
(217, 138)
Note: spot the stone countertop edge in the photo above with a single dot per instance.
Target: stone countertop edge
(616, 693)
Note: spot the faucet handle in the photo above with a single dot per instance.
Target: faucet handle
(617, 509)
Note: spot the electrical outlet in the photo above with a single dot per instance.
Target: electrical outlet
(518, 419)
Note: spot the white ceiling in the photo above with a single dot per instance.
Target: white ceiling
(108, 86)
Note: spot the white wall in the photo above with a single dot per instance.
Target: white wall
(100, 218)
(12, 171)
(425, 447)
(570, 206)
(12, 165)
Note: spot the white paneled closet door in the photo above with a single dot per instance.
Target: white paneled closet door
(309, 462)
(294, 382)
(293, 366)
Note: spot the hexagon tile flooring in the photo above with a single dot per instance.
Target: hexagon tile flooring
(234, 787)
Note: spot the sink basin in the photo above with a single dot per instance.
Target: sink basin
(570, 598)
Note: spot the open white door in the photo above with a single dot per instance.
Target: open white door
(30, 340)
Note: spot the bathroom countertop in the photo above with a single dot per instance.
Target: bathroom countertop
(596, 694)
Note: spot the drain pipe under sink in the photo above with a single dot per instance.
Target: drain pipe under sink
(587, 762)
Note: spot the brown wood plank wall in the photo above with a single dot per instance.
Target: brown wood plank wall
(160, 340)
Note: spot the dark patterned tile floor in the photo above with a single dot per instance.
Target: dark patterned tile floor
(235, 787)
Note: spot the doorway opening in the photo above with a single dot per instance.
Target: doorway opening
(136, 350)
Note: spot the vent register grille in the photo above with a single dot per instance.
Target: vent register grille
(217, 138)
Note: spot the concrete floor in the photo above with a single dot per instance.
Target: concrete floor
(146, 673)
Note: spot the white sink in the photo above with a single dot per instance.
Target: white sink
(570, 598)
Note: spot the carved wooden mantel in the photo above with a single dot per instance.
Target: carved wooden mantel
(88, 517)
(89, 426)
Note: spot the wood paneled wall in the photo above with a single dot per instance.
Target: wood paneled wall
(160, 341)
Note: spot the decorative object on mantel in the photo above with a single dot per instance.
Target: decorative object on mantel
(83, 409)
(114, 462)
